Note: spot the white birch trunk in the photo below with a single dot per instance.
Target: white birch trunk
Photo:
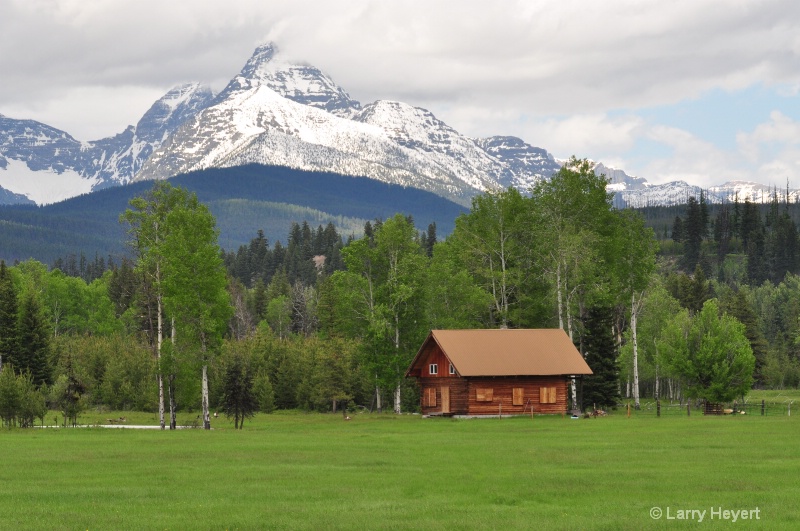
(206, 417)
(397, 351)
(397, 399)
(160, 338)
(378, 398)
(634, 312)
(503, 287)
(560, 298)
(173, 421)
(656, 390)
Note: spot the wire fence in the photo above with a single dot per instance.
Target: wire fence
(775, 407)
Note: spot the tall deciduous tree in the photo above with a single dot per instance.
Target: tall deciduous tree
(194, 285)
(381, 292)
(710, 353)
(571, 220)
(176, 240)
(453, 297)
(490, 243)
(657, 308)
(572, 227)
(635, 260)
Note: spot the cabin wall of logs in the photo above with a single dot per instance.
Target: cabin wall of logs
(506, 395)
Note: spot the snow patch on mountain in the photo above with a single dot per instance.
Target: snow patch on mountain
(43, 186)
(259, 125)
(524, 164)
(444, 151)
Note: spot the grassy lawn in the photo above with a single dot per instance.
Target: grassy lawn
(308, 471)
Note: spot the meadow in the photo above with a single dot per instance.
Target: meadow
(313, 471)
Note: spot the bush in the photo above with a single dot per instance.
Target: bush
(21, 403)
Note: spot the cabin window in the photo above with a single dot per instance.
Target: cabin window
(452, 369)
(518, 396)
(547, 395)
(430, 397)
(484, 395)
(433, 368)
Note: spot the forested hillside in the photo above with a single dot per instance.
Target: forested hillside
(243, 200)
(329, 318)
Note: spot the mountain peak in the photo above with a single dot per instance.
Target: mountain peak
(172, 110)
(298, 82)
(263, 55)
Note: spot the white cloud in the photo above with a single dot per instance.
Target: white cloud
(111, 111)
(595, 136)
(691, 159)
(554, 73)
(773, 149)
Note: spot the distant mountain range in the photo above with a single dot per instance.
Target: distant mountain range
(280, 113)
(243, 200)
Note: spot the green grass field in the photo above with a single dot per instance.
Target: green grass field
(311, 471)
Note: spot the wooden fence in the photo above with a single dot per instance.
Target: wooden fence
(760, 407)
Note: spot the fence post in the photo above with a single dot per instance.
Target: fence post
(735, 409)
(688, 409)
(658, 408)
(762, 407)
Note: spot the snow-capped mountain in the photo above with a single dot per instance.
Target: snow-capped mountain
(300, 83)
(525, 164)
(45, 165)
(636, 192)
(285, 113)
(279, 113)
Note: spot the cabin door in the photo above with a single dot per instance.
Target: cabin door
(445, 399)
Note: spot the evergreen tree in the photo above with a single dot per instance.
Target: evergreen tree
(122, 286)
(257, 258)
(601, 388)
(67, 393)
(34, 340)
(695, 230)
(750, 224)
(678, 233)
(723, 232)
(782, 248)
(757, 271)
(9, 332)
(430, 239)
(699, 291)
(260, 300)
(703, 216)
(239, 401)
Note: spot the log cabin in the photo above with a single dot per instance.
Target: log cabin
(496, 372)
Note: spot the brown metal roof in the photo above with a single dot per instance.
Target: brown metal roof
(524, 352)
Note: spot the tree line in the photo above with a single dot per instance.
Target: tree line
(325, 322)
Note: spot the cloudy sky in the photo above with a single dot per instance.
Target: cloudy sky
(699, 90)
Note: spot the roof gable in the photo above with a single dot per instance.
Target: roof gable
(507, 352)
